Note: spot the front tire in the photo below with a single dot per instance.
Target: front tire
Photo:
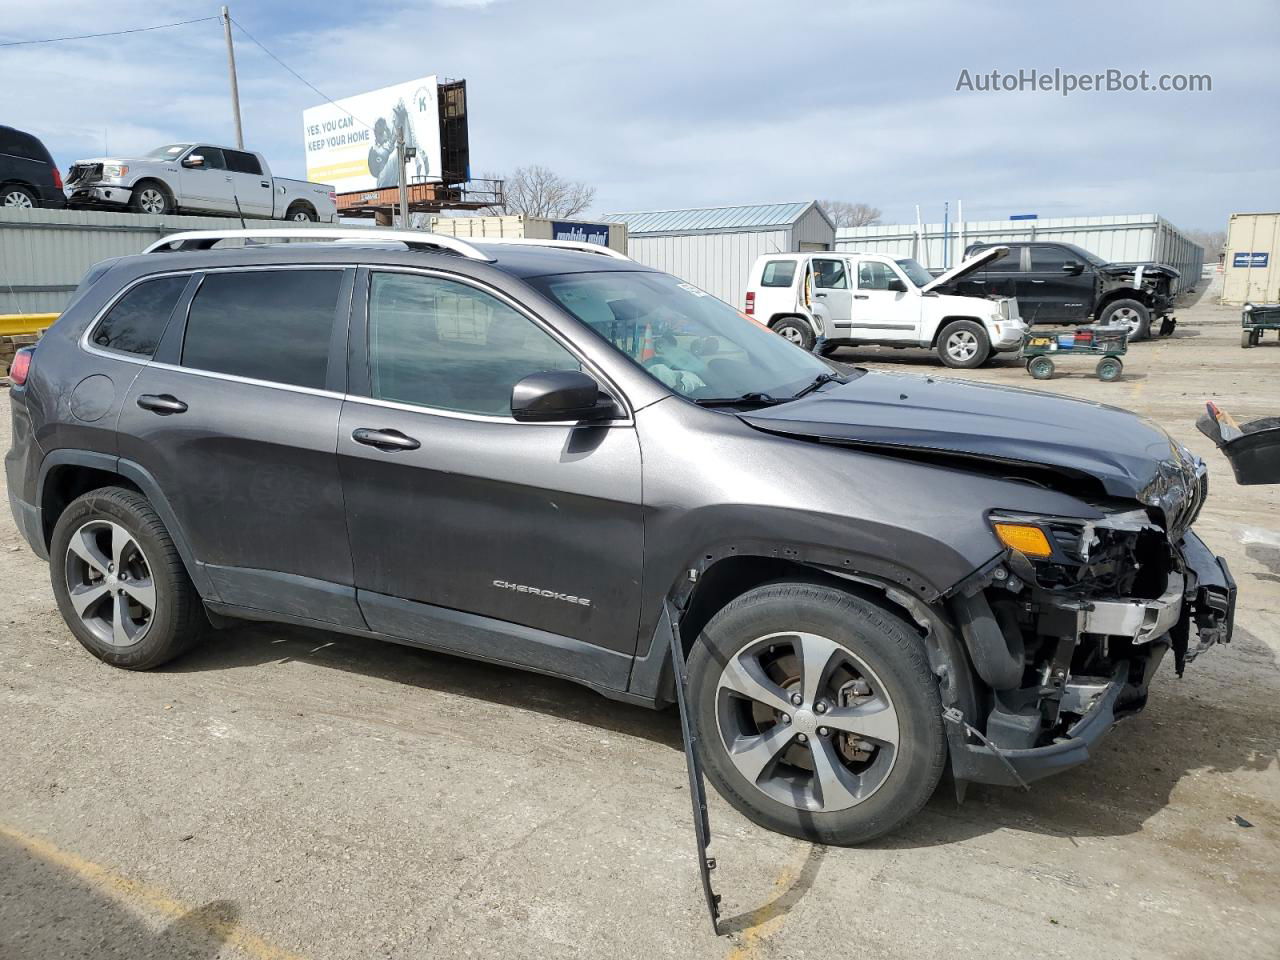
(119, 581)
(1130, 314)
(150, 197)
(795, 330)
(817, 713)
(964, 345)
(1246, 339)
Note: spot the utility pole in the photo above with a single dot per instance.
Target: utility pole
(404, 189)
(231, 66)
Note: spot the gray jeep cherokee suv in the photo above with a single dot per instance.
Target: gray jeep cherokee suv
(557, 458)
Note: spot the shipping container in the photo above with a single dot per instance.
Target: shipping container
(519, 226)
(1123, 238)
(714, 247)
(1250, 272)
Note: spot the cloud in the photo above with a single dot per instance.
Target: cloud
(671, 104)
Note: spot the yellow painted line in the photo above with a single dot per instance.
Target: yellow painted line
(132, 892)
(765, 921)
(13, 324)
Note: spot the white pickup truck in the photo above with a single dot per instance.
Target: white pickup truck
(826, 300)
(198, 178)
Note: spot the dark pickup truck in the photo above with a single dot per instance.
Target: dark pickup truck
(1060, 283)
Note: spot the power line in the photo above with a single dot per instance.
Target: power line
(299, 77)
(113, 33)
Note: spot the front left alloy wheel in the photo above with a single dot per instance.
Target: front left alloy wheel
(120, 584)
(817, 713)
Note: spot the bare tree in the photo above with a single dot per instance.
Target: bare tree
(1212, 240)
(845, 214)
(537, 191)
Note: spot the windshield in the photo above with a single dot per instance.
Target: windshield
(915, 273)
(167, 152)
(695, 344)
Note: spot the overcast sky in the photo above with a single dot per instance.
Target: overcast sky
(682, 104)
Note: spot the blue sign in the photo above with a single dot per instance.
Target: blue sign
(1258, 258)
(581, 232)
(1024, 216)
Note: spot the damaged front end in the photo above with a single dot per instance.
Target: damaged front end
(1066, 629)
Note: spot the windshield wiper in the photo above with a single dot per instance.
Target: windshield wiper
(753, 398)
(820, 380)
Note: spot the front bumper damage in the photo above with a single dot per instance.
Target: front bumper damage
(99, 194)
(1071, 696)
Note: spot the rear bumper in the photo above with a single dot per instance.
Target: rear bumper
(1205, 616)
(27, 518)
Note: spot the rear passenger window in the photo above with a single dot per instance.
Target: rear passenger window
(437, 343)
(778, 273)
(240, 162)
(1011, 262)
(268, 325)
(137, 321)
(830, 275)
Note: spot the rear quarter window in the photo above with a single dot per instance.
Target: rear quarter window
(778, 273)
(137, 321)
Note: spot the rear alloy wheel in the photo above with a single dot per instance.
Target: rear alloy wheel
(17, 198)
(964, 345)
(301, 213)
(1130, 314)
(120, 585)
(794, 330)
(817, 713)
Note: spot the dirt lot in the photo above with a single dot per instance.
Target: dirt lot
(286, 793)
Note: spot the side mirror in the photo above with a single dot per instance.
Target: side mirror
(559, 395)
(195, 160)
(896, 285)
(1073, 267)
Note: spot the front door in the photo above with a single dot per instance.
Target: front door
(881, 313)
(235, 420)
(1052, 294)
(207, 186)
(517, 542)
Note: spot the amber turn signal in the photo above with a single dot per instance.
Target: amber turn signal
(1025, 538)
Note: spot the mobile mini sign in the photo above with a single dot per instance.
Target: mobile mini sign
(580, 232)
(352, 143)
(1257, 258)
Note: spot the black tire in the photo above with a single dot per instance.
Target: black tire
(1246, 339)
(963, 345)
(1132, 314)
(896, 659)
(1041, 368)
(301, 212)
(1109, 369)
(177, 618)
(18, 197)
(151, 196)
(796, 330)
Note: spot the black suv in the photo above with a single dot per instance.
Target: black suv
(28, 176)
(1060, 283)
(562, 460)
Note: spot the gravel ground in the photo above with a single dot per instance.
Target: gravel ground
(287, 793)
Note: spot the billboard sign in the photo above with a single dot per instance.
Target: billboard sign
(352, 143)
(581, 232)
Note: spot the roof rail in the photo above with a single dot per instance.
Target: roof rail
(413, 239)
(580, 245)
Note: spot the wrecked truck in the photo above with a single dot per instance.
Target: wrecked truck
(548, 456)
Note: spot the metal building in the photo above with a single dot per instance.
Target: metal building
(714, 247)
(1250, 271)
(1124, 238)
(612, 235)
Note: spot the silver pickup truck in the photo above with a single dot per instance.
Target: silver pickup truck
(198, 178)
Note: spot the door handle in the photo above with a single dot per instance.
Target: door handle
(161, 403)
(1037, 281)
(861, 296)
(389, 440)
(977, 281)
(265, 184)
(228, 179)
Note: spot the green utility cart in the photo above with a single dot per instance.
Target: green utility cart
(1039, 350)
(1257, 318)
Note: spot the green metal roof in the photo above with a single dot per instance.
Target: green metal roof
(711, 219)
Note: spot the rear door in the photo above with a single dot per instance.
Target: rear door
(831, 288)
(880, 313)
(252, 189)
(209, 185)
(519, 542)
(236, 421)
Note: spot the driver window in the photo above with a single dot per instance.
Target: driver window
(830, 275)
(213, 159)
(874, 275)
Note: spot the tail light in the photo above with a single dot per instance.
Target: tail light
(57, 178)
(751, 304)
(333, 195)
(21, 366)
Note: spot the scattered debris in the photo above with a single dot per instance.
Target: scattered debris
(1241, 821)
